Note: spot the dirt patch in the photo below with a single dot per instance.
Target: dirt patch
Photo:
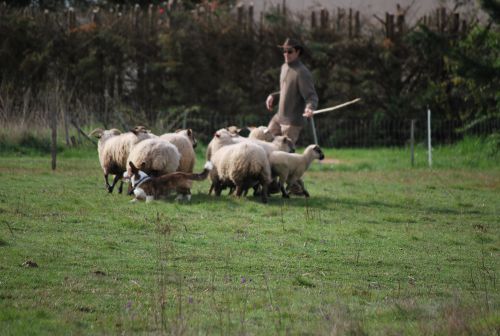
(330, 161)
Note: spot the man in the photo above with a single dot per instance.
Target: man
(297, 96)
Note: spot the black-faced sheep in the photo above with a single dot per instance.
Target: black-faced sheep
(113, 149)
(243, 165)
(289, 167)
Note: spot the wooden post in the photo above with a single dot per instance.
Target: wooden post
(441, 19)
(349, 24)
(389, 26)
(463, 30)
(313, 20)
(250, 17)
(324, 19)
(455, 25)
(429, 144)
(239, 11)
(357, 25)
(340, 18)
(71, 19)
(400, 22)
(412, 142)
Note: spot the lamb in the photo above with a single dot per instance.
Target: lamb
(261, 133)
(155, 157)
(289, 167)
(113, 149)
(242, 165)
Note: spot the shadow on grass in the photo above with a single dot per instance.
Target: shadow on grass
(321, 203)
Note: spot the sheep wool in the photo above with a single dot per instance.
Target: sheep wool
(289, 167)
(261, 133)
(243, 165)
(113, 149)
(184, 143)
(154, 157)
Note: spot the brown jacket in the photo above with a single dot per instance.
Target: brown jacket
(296, 92)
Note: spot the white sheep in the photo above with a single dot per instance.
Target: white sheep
(185, 142)
(223, 138)
(113, 149)
(260, 133)
(155, 157)
(241, 165)
(188, 132)
(289, 167)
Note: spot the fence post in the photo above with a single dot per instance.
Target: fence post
(340, 18)
(250, 17)
(429, 145)
(349, 23)
(324, 19)
(357, 25)
(239, 10)
(389, 26)
(412, 142)
(313, 20)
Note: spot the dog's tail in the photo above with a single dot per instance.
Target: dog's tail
(203, 175)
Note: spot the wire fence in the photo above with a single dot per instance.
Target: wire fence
(362, 132)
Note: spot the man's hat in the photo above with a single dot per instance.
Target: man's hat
(290, 42)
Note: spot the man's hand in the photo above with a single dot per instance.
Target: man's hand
(308, 113)
(269, 102)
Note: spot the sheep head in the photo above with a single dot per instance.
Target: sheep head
(140, 129)
(316, 151)
(284, 144)
(190, 134)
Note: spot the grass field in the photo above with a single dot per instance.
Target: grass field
(380, 248)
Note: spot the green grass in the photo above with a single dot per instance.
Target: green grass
(380, 248)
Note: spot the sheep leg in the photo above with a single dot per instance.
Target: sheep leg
(239, 190)
(115, 180)
(120, 188)
(256, 190)
(281, 182)
(284, 194)
(107, 183)
(301, 183)
(217, 188)
(263, 195)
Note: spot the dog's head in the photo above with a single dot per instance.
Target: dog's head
(136, 178)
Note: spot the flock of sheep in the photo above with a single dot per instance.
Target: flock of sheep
(260, 161)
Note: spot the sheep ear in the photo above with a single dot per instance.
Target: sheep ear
(189, 132)
(97, 133)
(115, 131)
(133, 167)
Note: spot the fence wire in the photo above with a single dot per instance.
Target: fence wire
(359, 132)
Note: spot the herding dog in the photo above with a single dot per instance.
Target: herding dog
(148, 188)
